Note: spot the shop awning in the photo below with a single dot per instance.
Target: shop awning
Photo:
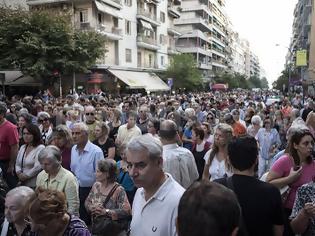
(137, 80)
(16, 78)
(146, 25)
(107, 9)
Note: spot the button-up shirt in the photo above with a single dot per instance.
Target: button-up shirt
(64, 182)
(157, 215)
(83, 165)
(180, 163)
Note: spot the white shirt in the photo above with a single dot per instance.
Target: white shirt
(180, 163)
(217, 168)
(157, 216)
(124, 135)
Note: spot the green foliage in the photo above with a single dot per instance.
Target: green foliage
(40, 43)
(233, 80)
(283, 79)
(264, 82)
(254, 82)
(184, 71)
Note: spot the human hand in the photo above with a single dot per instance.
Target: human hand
(22, 177)
(309, 210)
(10, 169)
(295, 174)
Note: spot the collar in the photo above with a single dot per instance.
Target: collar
(163, 190)
(86, 148)
(170, 146)
(58, 177)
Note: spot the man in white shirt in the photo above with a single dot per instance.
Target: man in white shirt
(127, 131)
(154, 209)
(178, 161)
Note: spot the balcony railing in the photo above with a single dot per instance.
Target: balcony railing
(145, 39)
(112, 30)
(142, 12)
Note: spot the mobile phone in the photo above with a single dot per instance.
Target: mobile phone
(296, 168)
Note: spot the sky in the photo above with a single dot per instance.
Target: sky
(264, 23)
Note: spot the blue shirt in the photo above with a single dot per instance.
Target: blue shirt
(126, 182)
(83, 165)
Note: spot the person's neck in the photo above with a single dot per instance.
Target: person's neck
(249, 172)
(90, 122)
(105, 183)
(102, 139)
(20, 226)
(199, 141)
(151, 190)
(129, 126)
(81, 146)
(2, 121)
(167, 142)
(58, 226)
(54, 173)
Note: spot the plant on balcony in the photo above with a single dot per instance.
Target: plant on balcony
(184, 71)
(41, 45)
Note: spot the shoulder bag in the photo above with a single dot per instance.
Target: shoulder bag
(105, 225)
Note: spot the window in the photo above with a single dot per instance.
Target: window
(162, 17)
(128, 3)
(128, 27)
(128, 55)
(83, 16)
(139, 59)
(162, 60)
(99, 18)
(150, 60)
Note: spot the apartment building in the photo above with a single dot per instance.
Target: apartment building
(14, 4)
(140, 36)
(303, 38)
(238, 57)
(203, 27)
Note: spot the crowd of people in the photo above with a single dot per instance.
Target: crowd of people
(186, 164)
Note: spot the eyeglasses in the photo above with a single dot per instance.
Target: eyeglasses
(42, 120)
(89, 114)
(210, 118)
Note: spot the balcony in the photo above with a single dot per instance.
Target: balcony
(171, 50)
(173, 31)
(147, 65)
(218, 63)
(113, 33)
(218, 52)
(199, 22)
(219, 41)
(205, 65)
(39, 2)
(114, 3)
(147, 16)
(194, 49)
(85, 26)
(173, 11)
(147, 42)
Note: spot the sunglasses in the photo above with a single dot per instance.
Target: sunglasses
(42, 120)
(89, 114)
(210, 118)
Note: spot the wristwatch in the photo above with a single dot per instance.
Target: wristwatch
(107, 211)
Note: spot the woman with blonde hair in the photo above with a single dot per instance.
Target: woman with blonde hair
(216, 158)
(107, 145)
(310, 122)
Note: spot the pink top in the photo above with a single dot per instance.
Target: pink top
(283, 166)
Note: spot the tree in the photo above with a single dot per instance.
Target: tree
(282, 81)
(264, 83)
(184, 71)
(233, 80)
(254, 82)
(43, 44)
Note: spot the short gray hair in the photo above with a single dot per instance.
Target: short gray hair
(23, 192)
(256, 120)
(43, 114)
(82, 126)
(50, 152)
(147, 143)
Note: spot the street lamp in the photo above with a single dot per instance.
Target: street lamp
(286, 63)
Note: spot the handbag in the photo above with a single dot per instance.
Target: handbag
(105, 225)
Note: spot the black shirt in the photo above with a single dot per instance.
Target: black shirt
(260, 203)
(107, 145)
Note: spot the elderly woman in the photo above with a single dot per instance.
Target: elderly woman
(45, 126)
(269, 142)
(118, 207)
(62, 138)
(55, 177)
(16, 203)
(49, 217)
(27, 166)
(102, 140)
(255, 125)
(216, 165)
